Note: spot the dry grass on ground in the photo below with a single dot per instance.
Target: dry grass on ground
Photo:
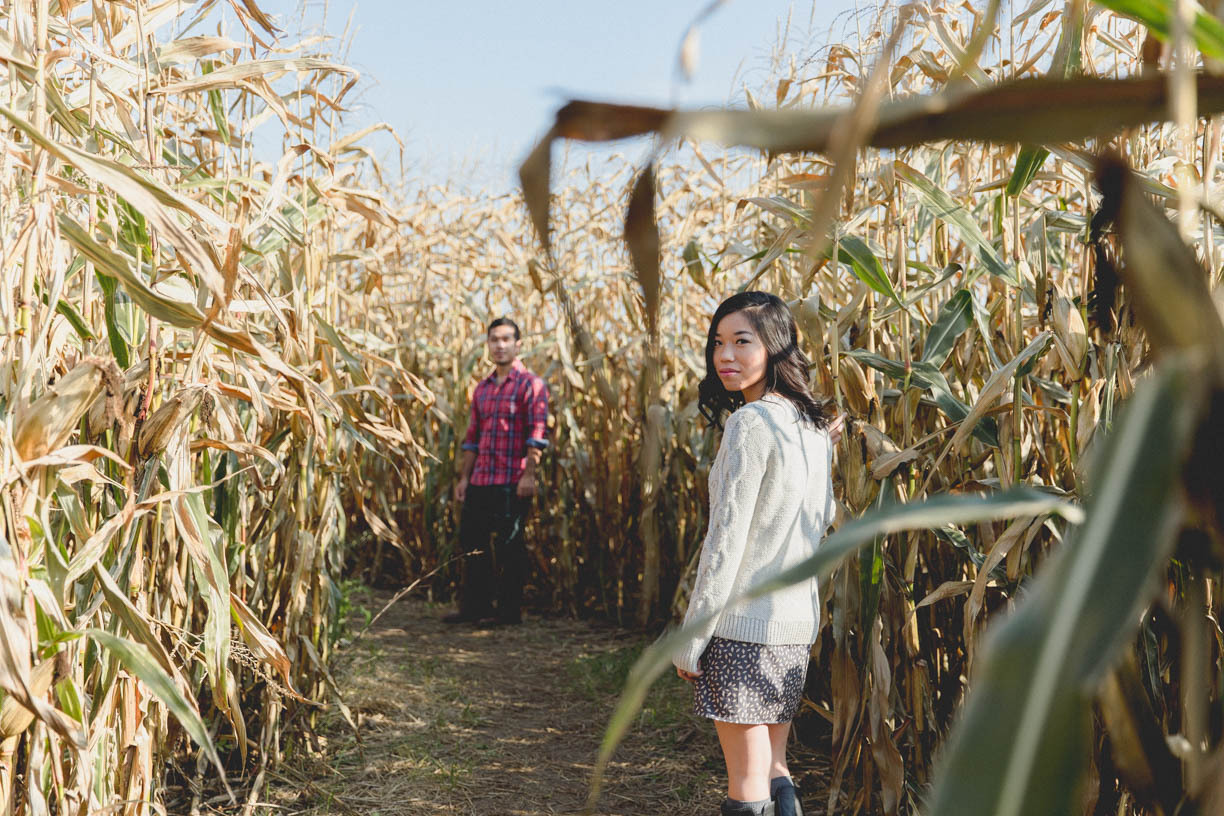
(498, 722)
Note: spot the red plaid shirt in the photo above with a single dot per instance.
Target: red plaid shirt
(506, 420)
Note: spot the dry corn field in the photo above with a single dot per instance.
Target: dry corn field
(228, 381)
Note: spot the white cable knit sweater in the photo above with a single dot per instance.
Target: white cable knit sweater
(771, 500)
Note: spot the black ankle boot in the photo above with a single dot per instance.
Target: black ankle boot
(734, 807)
(785, 796)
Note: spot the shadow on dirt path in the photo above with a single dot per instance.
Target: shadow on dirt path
(498, 722)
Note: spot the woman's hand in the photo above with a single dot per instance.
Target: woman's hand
(689, 676)
(836, 428)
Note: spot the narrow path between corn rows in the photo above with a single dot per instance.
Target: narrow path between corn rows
(503, 721)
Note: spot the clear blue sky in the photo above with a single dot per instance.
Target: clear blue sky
(471, 84)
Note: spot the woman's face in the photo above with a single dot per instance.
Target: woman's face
(740, 356)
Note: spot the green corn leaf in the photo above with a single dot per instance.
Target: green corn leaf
(871, 563)
(156, 203)
(114, 336)
(69, 697)
(136, 659)
(693, 264)
(1021, 745)
(134, 622)
(982, 316)
(946, 209)
(1157, 15)
(216, 104)
(854, 251)
(929, 378)
(998, 383)
(202, 536)
(74, 319)
(351, 361)
(955, 316)
(110, 263)
(1067, 62)
(1027, 164)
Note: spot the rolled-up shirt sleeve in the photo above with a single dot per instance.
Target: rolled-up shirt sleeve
(471, 440)
(537, 414)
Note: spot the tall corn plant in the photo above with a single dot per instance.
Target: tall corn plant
(185, 396)
(946, 293)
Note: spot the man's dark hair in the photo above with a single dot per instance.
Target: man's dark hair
(504, 321)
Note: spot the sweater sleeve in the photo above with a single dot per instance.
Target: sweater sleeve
(735, 481)
(830, 502)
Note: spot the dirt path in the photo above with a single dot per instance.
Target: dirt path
(498, 722)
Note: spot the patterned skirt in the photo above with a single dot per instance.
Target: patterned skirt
(750, 683)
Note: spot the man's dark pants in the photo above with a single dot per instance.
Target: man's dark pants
(499, 571)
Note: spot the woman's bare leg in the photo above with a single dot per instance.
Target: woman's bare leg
(778, 733)
(748, 752)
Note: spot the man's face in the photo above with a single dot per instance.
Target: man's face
(503, 348)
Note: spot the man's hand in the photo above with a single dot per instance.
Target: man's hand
(526, 486)
(461, 490)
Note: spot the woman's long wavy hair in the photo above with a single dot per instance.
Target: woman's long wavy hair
(786, 367)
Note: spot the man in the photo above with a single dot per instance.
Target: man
(505, 437)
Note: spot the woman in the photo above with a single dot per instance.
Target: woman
(771, 500)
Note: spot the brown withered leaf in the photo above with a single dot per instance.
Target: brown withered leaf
(46, 423)
(1172, 298)
(606, 122)
(883, 748)
(948, 589)
(1002, 545)
(1032, 110)
(642, 237)
(534, 175)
